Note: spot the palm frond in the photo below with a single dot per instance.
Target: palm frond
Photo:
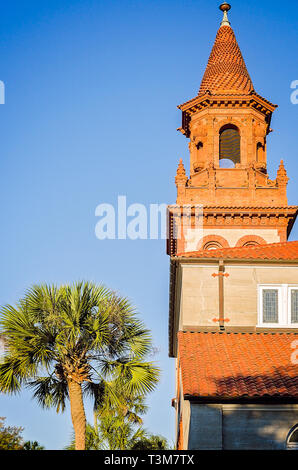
(50, 392)
(83, 331)
(12, 375)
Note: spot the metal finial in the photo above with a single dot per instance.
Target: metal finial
(225, 7)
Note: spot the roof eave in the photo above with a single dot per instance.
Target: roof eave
(182, 259)
(228, 96)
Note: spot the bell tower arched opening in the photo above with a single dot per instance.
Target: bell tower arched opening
(229, 146)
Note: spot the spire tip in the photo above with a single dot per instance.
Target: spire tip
(225, 7)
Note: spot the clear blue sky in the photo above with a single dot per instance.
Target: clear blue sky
(90, 114)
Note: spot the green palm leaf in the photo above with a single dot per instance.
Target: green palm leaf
(74, 340)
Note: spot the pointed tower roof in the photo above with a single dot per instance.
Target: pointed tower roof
(226, 80)
(226, 71)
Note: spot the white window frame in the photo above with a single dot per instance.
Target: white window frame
(280, 309)
(284, 305)
(290, 289)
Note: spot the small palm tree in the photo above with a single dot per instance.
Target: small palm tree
(151, 442)
(120, 424)
(32, 445)
(93, 440)
(120, 427)
(71, 341)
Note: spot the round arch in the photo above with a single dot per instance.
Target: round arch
(212, 242)
(220, 123)
(229, 146)
(292, 439)
(228, 122)
(251, 240)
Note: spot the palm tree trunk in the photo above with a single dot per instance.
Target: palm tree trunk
(77, 413)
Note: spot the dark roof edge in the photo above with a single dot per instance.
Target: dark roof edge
(256, 400)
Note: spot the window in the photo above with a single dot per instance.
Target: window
(197, 166)
(229, 146)
(278, 306)
(199, 145)
(270, 305)
(212, 246)
(252, 243)
(260, 152)
(294, 305)
(292, 441)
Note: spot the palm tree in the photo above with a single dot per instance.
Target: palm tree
(72, 341)
(119, 425)
(32, 445)
(151, 442)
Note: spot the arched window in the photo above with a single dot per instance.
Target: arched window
(251, 244)
(292, 441)
(251, 240)
(229, 146)
(260, 152)
(212, 246)
(212, 242)
(197, 166)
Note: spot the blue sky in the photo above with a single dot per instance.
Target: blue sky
(90, 114)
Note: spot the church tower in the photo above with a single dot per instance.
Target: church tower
(233, 310)
(228, 124)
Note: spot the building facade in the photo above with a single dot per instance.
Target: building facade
(233, 323)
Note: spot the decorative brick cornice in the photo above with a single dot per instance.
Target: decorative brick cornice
(199, 103)
(280, 218)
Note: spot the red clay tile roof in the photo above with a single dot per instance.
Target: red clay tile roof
(226, 69)
(238, 365)
(287, 251)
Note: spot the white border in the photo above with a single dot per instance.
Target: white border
(290, 289)
(284, 305)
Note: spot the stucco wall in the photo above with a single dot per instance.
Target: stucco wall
(199, 292)
(242, 427)
(199, 303)
(205, 427)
